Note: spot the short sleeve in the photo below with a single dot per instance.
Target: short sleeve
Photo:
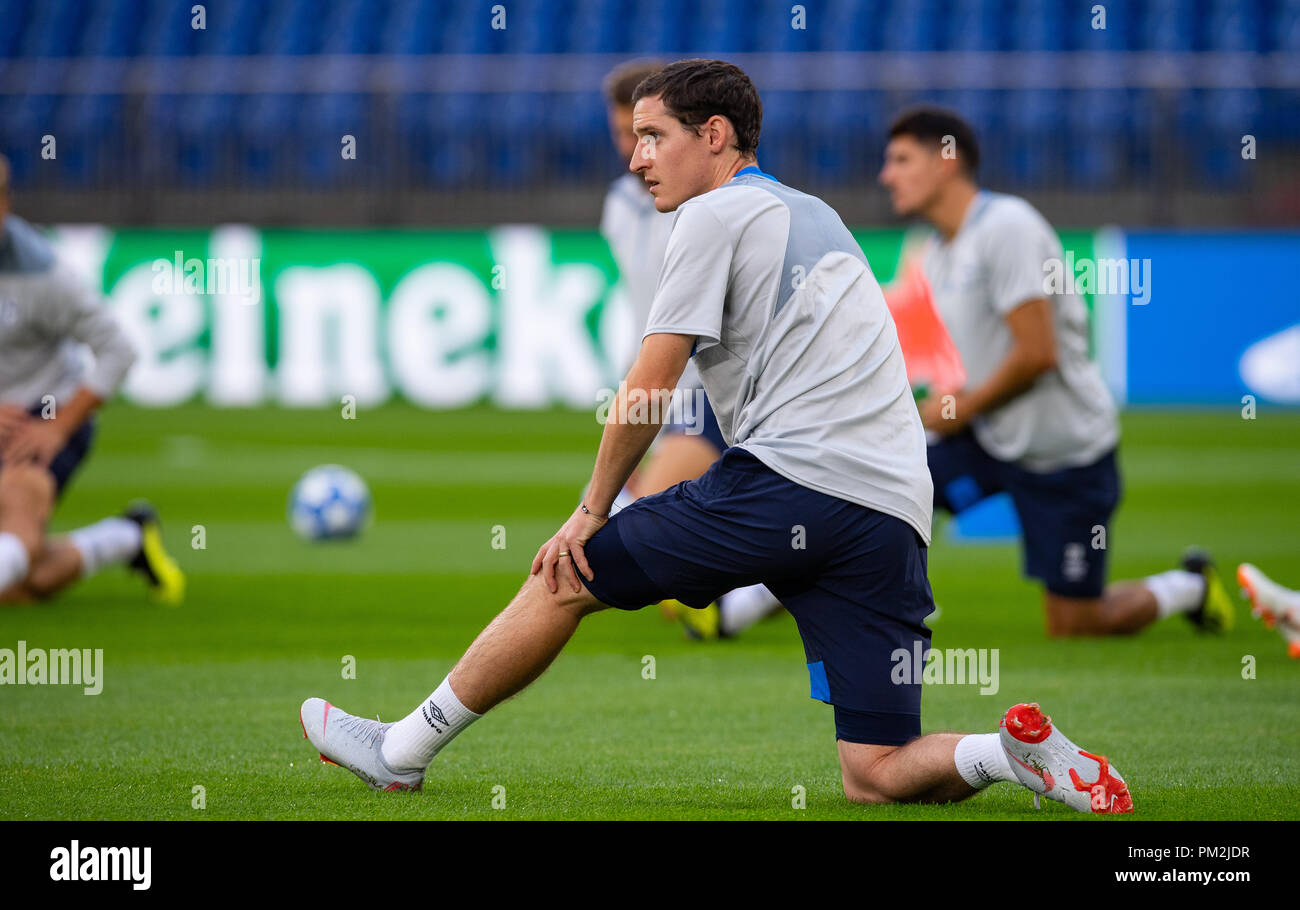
(71, 310)
(1017, 255)
(693, 283)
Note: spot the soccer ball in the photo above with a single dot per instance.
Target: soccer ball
(329, 502)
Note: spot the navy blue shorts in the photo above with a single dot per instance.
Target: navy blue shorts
(695, 417)
(69, 458)
(854, 579)
(1063, 514)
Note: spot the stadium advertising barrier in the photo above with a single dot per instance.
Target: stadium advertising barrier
(529, 317)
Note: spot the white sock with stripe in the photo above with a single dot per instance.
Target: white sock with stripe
(414, 740)
(105, 543)
(1176, 591)
(13, 560)
(981, 760)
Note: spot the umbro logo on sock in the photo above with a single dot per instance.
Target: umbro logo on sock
(433, 713)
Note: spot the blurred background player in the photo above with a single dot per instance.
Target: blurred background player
(1277, 606)
(637, 234)
(48, 398)
(1035, 418)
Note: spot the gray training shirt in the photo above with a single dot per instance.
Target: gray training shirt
(46, 315)
(993, 264)
(794, 344)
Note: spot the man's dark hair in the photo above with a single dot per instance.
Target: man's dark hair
(695, 90)
(624, 78)
(933, 126)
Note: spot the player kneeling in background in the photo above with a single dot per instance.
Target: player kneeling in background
(808, 381)
(637, 234)
(1034, 419)
(47, 403)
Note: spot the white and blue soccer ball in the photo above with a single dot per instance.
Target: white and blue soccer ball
(329, 502)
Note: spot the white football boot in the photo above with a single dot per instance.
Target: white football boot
(1277, 606)
(355, 743)
(1046, 762)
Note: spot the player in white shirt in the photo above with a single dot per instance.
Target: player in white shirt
(637, 234)
(48, 398)
(1034, 418)
(822, 494)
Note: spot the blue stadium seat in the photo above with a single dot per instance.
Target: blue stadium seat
(89, 130)
(972, 25)
(13, 26)
(659, 27)
(1035, 122)
(454, 135)
(165, 29)
(598, 26)
(1234, 25)
(1285, 33)
(1169, 25)
(782, 144)
(1220, 118)
(27, 118)
(412, 28)
(1035, 26)
(352, 27)
(1098, 122)
(911, 25)
(55, 28)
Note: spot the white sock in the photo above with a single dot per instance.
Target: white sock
(105, 543)
(743, 607)
(414, 740)
(13, 560)
(1176, 591)
(981, 760)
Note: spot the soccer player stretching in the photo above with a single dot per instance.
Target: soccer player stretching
(1034, 418)
(823, 494)
(47, 400)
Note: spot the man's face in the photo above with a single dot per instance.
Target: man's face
(673, 160)
(620, 130)
(913, 173)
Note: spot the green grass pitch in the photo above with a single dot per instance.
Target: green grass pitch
(207, 695)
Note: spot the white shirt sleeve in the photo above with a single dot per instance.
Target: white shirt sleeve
(1016, 256)
(71, 311)
(693, 284)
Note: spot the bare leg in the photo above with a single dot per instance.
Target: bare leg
(26, 498)
(1124, 608)
(59, 565)
(922, 771)
(519, 644)
(678, 457)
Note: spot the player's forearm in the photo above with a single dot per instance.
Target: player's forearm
(1013, 377)
(627, 435)
(73, 413)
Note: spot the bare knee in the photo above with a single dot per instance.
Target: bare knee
(564, 599)
(864, 773)
(26, 497)
(1069, 617)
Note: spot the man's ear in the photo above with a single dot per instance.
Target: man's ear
(718, 127)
